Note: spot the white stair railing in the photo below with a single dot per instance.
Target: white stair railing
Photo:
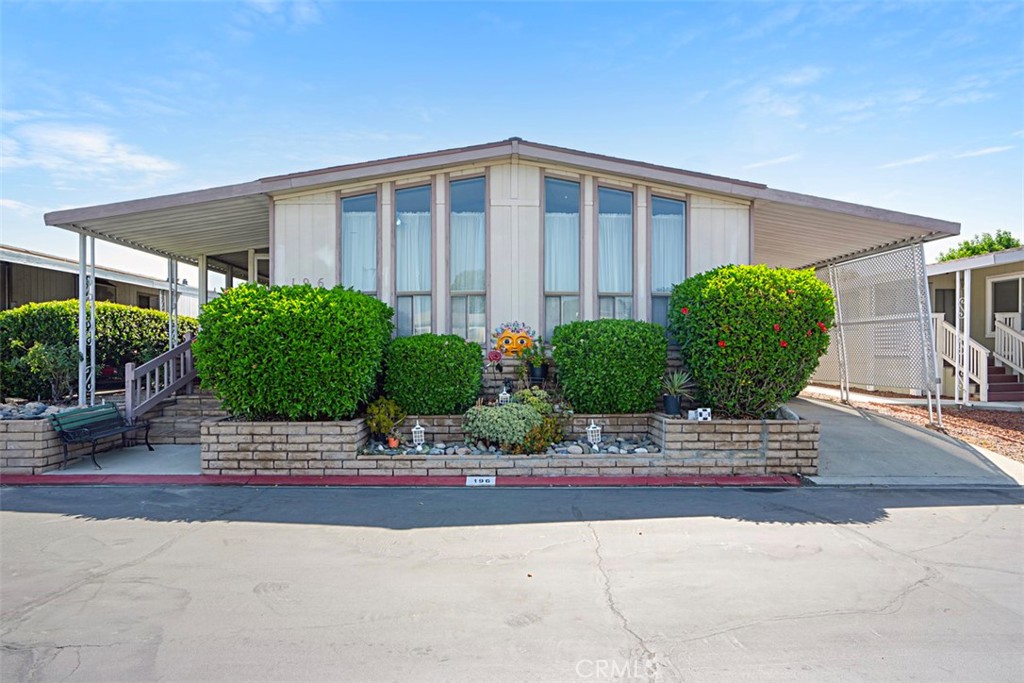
(977, 355)
(1009, 342)
(153, 381)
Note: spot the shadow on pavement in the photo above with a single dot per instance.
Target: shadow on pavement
(435, 508)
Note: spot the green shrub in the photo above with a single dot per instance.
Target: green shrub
(124, 334)
(536, 398)
(505, 426)
(433, 374)
(751, 335)
(56, 364)
(293, 352)
(610, 366)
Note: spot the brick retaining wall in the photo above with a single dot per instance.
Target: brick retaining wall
(730, 447)
(32, 447)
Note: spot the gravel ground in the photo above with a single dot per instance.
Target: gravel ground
(996, 430)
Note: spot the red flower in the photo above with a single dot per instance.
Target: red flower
(783, 343)
(721, 343)
(684, 310)
(790, 291)
(821, 326)
(494, 356)
(810, 332)
(776, 326)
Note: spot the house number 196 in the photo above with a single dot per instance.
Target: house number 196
(307, 281)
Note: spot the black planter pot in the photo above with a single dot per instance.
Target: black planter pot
(671, 405)
(538, 373)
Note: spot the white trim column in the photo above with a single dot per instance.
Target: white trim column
(172, 303)
(967, 338)
(204, 280)
(253, 275)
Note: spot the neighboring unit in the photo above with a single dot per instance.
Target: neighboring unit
(977, 305)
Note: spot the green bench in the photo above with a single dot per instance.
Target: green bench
(91, 424)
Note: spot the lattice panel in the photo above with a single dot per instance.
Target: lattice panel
(884, 322)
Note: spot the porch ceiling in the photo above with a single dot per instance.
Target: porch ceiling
(801, 237)
(185, 232)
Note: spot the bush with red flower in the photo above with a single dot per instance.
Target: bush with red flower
(751, 335)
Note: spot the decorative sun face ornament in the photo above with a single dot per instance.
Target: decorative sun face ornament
(513, 338)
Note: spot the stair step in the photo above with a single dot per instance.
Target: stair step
(1002, 379)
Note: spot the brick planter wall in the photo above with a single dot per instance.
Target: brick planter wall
(307, 448)
(723, 447)
(32, 447)
(740, 446)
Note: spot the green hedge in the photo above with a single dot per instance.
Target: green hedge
(751, 335)
(124, 334)
(292, 352)
(610, 366)
(433, 374)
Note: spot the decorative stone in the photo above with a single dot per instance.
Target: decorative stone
(613, 449)
(641, 449)
(574, 450)
(441, 444)
(462, 450)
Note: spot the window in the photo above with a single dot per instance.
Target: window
(359, 243)
(561, 253)
(668, 253)
(147, 301)
(945, 303)
(412, 260)
(468, 259)
(1003, 301)
(614, 253)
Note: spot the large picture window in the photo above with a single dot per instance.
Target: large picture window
(412, 260)
(614, 253)
(668, 253)
(468, 259)
(561, 253)
(359, 243)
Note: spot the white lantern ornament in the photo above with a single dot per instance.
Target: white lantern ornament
(418, 435)
(594, 434)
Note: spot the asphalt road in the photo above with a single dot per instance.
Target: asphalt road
(263, 584)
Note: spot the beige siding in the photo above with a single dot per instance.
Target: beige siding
(306, 239)
(515, 244)
(33, 285)
(719, 233)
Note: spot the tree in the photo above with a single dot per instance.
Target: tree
(984, 243)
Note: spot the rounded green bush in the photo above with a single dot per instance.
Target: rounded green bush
(124, 334)
(433, 374)
(751, 335)
(292, 352)
(610, 366)
(506, 426)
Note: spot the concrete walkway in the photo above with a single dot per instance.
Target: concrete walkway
(868, 397)
(860, 448)
(165, 459)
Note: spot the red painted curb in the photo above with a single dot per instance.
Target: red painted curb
(397, 480)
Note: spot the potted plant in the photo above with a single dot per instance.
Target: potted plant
(383, 417)
(536, 360)
(676, 386)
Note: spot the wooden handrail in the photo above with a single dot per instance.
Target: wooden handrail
(977, 354)
(1009, 347)
(157, 379)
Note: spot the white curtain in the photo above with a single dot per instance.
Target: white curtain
(359, 250)
(467, 252)
(668, 252)
(412, 247)
(615, 252)
(562, 252)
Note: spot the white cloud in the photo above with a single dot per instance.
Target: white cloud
(924, 158)
(773, 162)
(69, 149)
(20, 207)
(983, 152)
(803, 76)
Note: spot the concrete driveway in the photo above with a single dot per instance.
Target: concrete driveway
(493, 585)
(862, 448)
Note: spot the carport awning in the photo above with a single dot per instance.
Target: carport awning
(790, 229)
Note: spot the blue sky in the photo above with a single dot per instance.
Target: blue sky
(917, 107)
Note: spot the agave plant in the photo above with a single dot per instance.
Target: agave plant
(678, 384)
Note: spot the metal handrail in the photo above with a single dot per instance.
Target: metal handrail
(148, 384)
